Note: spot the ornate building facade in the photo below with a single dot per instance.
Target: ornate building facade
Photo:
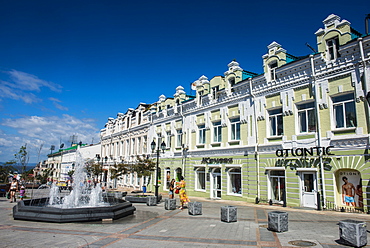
(297, 134)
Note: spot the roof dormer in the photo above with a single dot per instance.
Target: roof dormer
(276, 57)
(336, 32)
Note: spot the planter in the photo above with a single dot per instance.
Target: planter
(151, 201)
(229, 214)
(278, 221)
(353, 232)
(195, 208)
(170, 204)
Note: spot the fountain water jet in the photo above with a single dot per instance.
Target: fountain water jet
(84, 203)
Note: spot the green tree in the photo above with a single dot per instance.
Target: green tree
(5, 170)
(70, 173)
(144, 167)
(120, 169)
(22, 157)
(94, 169)
(43, 177)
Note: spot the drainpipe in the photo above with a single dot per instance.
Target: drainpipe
(318, 126)
(366, 89)
(256, 141)
(183, 146)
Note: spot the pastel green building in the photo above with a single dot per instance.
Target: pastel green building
(295, 135)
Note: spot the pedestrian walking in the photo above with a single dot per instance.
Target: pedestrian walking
(13, 189)
(22, 193)
(182, 192)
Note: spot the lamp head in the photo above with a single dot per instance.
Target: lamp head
(152, 145)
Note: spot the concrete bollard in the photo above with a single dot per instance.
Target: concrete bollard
(195, 208)
(170, 204)
(278, 221)
(151, 201)
(353, 232)
(229, 214)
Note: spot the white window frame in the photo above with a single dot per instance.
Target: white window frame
(343, 103)
(332, 46)
(217, 132)
(178, 137)
(202, 134)
(272, 70)
(275, 117)
(234, 123)
(306, 111)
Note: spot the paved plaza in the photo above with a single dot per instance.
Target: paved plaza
(153, 226)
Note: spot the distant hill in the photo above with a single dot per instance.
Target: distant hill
(19, 168)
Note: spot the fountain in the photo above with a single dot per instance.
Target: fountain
(85, 202)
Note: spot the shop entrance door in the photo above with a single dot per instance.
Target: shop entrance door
(216, 184)
(309, 190)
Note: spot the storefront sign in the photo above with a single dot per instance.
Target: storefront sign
(304, 152)
(217, 161)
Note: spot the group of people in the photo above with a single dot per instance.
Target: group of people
(179, 188)
(14, 188)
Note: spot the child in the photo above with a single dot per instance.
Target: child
(22, 193)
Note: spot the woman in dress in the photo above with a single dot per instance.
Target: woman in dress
(183, 196)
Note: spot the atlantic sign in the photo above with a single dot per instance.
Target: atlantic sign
(304, 152)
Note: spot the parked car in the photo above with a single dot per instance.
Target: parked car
(4, 187)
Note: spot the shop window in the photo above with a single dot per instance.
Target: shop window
(235, 128)
(201, 134)
(306, 117)
(276, 122)
(333, 48)
(168, 177)
(235, 181)
(179, 137)
(344, 111)
(200, 179)
(277, 182)
(217, 134)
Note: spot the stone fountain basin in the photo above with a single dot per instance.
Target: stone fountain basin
(36, 210)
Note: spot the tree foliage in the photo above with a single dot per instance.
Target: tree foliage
(5, 170)
(94, 169)
(43, 177)
(120, 169)
(22, 157)
(144, 166)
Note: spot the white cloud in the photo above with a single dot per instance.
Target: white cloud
(57, 105)
(37, 130)
(21, 85)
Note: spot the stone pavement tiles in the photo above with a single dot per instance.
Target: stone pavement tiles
(153, 226)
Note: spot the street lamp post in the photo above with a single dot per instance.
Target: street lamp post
(163, 147)
(98, 158)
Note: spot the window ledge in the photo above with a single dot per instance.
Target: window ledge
(234, 194)
(340, 130)
(275, 137)
(200, 145)
(200, 190)
(234, 142)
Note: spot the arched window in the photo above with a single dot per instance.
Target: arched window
(235, 181)
(200, 178)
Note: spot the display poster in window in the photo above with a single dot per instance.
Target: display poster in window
(349, 184)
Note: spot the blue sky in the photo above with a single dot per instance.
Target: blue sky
(66, 66)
